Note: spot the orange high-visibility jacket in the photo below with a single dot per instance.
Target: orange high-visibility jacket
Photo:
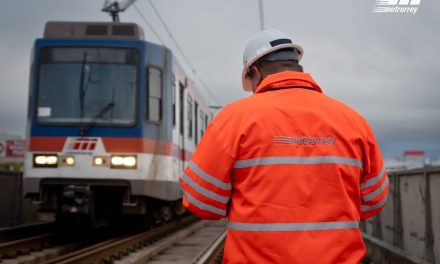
(294, 172)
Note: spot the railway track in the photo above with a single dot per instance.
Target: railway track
(21, 240)
(186, 241)
(214, 254)
(25, 245)
(201, 242)
(23, 231)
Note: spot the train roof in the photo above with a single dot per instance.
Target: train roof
(63, 29)
(117, 30)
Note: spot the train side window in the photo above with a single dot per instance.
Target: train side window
(202, 123)
(190, 116)
(173, 97)
(154, 110)
(196, 121)
(181, 108)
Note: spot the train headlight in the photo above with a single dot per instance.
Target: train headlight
(68, 160)
(129, 161)
(123, 161)
(45, 161)
(100, 161)
(117, 161)
(40, 160)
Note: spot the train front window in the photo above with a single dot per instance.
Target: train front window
(83, 85)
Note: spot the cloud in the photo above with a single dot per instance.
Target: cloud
(383, 65)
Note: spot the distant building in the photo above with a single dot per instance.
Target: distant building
(411, 159)
(395, 164)
(5, 136)
(414, 156)
(436, 162)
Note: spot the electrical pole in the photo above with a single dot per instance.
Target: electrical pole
(260, 5)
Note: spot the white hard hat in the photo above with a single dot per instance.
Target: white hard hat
(262, 44)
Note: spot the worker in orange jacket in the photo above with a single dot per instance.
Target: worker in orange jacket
(293, 170)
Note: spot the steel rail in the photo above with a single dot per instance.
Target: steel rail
(22, 231)
(116, 248)
(214, 253)
(12, 248)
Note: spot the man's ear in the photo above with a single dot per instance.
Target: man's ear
(256, 77)
(301, 68)
(257, 73)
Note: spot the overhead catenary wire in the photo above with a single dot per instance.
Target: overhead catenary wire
(148, 24)
(183, 54)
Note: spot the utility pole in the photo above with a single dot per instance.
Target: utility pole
(260, 5)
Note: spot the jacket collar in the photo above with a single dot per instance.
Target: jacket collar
(286, 79)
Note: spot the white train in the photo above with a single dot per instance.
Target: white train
(112, 121)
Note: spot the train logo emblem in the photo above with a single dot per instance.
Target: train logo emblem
(82, 144)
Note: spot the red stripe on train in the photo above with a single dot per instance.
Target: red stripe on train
(114, 145)
(54, 144)
(138, 145)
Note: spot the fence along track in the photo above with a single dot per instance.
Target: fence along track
(409, 221)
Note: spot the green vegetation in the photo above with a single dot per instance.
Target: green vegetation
(17, 166)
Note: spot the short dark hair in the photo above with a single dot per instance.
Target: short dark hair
(270, 66)
(279, 55)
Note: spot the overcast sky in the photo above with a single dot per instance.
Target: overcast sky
(386, 66)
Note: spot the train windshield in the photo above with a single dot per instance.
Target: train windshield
(85, 85)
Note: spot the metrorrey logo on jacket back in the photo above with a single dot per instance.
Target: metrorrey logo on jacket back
(304, 140)
(396, 6)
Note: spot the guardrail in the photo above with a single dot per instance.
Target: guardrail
(410, 221)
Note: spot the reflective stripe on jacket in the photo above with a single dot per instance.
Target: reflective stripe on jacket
(293, 170)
